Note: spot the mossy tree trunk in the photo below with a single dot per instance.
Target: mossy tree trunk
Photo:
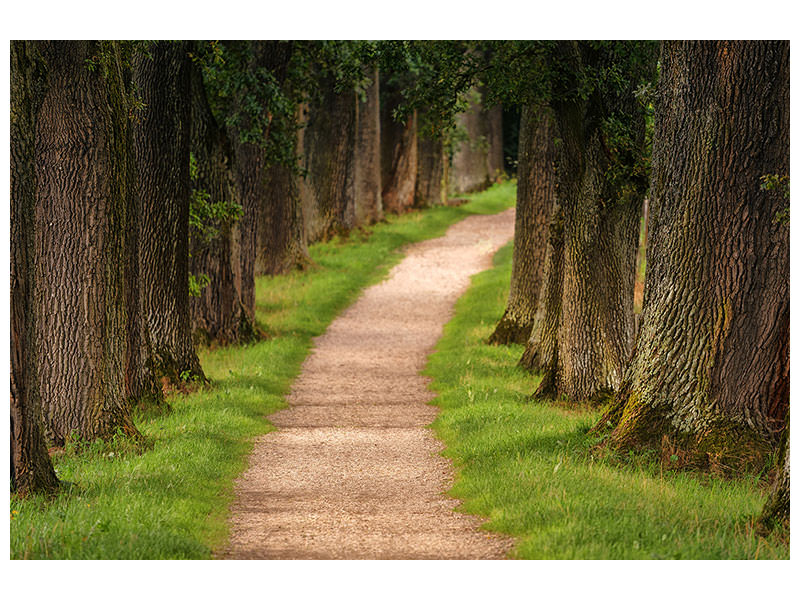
(535, 199)
(31, 468)
(217, 314)
(161, 143)
(84, 186)
(710, 375)
(398, 151)
(328, 192)
(598, 221)
(367, 154)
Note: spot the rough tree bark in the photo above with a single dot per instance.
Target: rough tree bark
(398, 152)
(217, 314)
(709, 381)
(470, 166)
(82, 158)
(328, 193)
(600, 232)
(367, 159)
(535, 198)
(161, 144)
(31, 468)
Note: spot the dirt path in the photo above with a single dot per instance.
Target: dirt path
(353, 471)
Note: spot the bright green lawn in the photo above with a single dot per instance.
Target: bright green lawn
(526, 465)
(171, 501)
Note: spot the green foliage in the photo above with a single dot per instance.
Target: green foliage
(529, 469)
(197, 283)
(779, 184)
(172, 500)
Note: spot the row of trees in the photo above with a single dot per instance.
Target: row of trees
(142, 173)
(152, 182)
(703, 377)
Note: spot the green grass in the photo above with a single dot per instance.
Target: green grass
(526, 466)
(172, 501)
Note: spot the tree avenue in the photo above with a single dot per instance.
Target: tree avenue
(153, 182)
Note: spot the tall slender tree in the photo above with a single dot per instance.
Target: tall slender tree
(217, 311)
(367, 152)
(710, 374)
(535, 199)
(161, 143)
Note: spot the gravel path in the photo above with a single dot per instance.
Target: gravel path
(353, 471)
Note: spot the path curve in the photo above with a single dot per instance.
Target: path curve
(353, 470)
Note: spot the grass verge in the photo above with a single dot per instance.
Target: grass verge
(526, 466)
(172, 501)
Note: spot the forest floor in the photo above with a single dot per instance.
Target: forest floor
(354, 471)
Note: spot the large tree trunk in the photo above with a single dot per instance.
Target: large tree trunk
(535, 197)
(470, 167)
(600, 234)
(31, 469)
(709, 380)
(367, 159)
(82, 221)
(398, 152)
(430, 172)
(217, 314)
(161, 143)
(328, 193)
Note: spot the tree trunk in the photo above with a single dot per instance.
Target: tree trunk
(280, 236)
(82, 221)
(470, 168)
(535, 197)
(161, 143)
(31, 469)
(541, 351)
(776, 509)
(367, 160)
(600, 233)
(709, 381)
(430, 172)
(217, 314)
(328, 193)
(494, 138)
(398, 153)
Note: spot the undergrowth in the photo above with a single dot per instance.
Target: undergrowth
(170, 498)
(528, 466)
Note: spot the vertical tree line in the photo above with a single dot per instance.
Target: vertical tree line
(151, 183)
